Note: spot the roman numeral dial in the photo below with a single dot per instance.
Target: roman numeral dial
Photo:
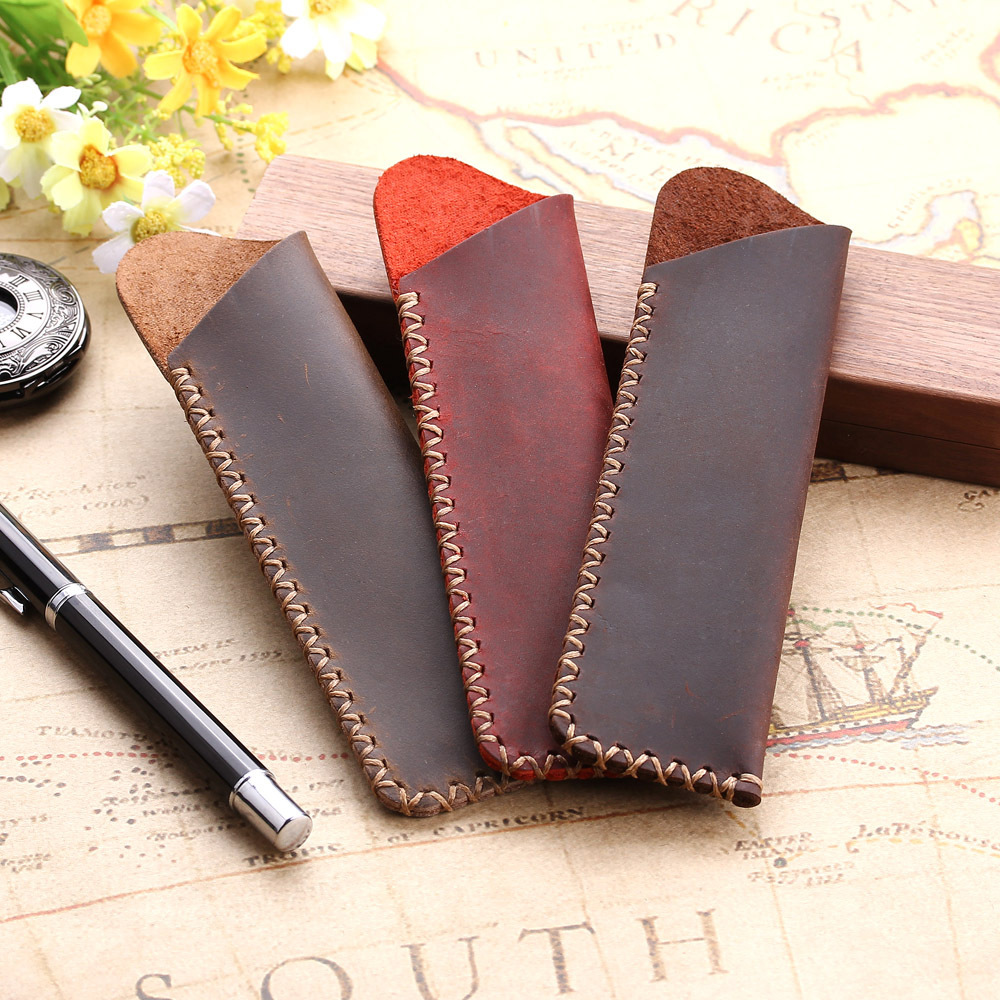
(43, 328)
(25, 308)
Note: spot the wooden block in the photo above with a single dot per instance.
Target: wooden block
(915, 377)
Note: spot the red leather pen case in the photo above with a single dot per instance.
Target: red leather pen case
(671, 656)
(512, 403)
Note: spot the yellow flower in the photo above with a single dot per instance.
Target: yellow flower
(268, 17)
(225, 139)
(87, 175)
(175, 154)
(268, 132)
(278, 57)
(110, 26)
(205, 59)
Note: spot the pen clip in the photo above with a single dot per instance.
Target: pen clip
(15, 599)
(12, 596)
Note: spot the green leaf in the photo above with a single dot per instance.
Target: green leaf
(71, 29)
(43, 21)
(8, 72)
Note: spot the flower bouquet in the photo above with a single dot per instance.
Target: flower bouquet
(98, 96)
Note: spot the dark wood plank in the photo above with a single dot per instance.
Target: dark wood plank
(925, 456)
(917, 351)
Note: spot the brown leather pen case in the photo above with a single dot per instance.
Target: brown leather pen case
(669, 664)
(512, 402)
(325, 481)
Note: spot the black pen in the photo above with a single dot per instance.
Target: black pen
(31, 577)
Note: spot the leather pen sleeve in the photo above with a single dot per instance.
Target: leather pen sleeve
(512, 402)
(670, 661)
(326, 483)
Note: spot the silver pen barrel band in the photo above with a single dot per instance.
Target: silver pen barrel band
(59, 598)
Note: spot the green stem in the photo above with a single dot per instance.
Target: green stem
(160, 16)
(43, 61)
(140, 88)
(15, 35)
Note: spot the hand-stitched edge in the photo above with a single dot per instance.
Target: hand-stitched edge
(525, 767)
(618, 759)
(250, 517)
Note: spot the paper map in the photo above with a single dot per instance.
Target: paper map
(872, 866)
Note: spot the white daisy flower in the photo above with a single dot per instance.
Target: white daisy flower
(161, 212)
(27, 123)
(346, 31)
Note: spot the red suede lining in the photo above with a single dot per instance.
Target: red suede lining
(425, 205)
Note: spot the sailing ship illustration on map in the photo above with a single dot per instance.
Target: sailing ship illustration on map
(837, 682)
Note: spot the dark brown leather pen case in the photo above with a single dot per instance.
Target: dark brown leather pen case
(669, 664)
(326, 483)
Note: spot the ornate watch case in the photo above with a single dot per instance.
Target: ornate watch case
(44, 328)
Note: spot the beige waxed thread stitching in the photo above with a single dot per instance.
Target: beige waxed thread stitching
(568, 670)
(415, 347)
(320, 657)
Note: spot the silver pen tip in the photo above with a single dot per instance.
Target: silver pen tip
(268, 809)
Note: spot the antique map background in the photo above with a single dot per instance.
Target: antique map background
(872, 865)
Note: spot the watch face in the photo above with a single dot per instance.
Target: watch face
(43, 328)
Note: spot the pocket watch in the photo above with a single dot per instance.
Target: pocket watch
(44, 328)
